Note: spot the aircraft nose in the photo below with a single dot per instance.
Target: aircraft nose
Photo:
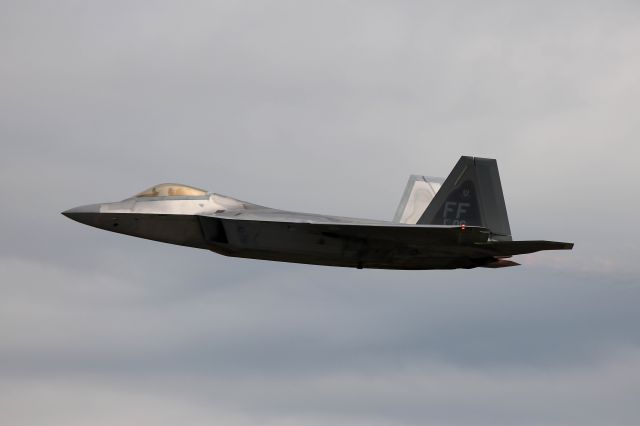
(84, 214)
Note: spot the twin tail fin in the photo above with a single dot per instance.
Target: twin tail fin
(472, 196)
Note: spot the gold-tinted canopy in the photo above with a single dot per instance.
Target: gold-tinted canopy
(172, 190)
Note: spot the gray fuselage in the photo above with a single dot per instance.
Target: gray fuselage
(236, 228)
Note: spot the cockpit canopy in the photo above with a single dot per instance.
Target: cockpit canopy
(172, 190)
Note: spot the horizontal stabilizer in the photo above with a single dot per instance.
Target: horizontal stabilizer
(501, 263)
(510, 248)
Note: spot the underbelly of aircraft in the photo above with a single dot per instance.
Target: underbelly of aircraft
(347, 245)
(356, 247)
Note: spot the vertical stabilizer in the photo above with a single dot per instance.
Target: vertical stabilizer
(471, 195)
(417, 195)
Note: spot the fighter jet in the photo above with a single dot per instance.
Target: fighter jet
(457, 222)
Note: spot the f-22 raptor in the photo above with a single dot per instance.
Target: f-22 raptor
(458, 222)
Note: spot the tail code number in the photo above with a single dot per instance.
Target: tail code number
(453, 211)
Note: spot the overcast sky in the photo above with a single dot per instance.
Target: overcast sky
(323, 106)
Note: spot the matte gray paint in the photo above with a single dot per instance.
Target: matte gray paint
(236, 228)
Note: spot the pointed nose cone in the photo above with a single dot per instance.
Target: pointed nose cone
(84, 214)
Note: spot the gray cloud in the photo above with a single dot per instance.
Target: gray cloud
(317, 107)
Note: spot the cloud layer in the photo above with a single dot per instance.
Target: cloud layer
(322, 107)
